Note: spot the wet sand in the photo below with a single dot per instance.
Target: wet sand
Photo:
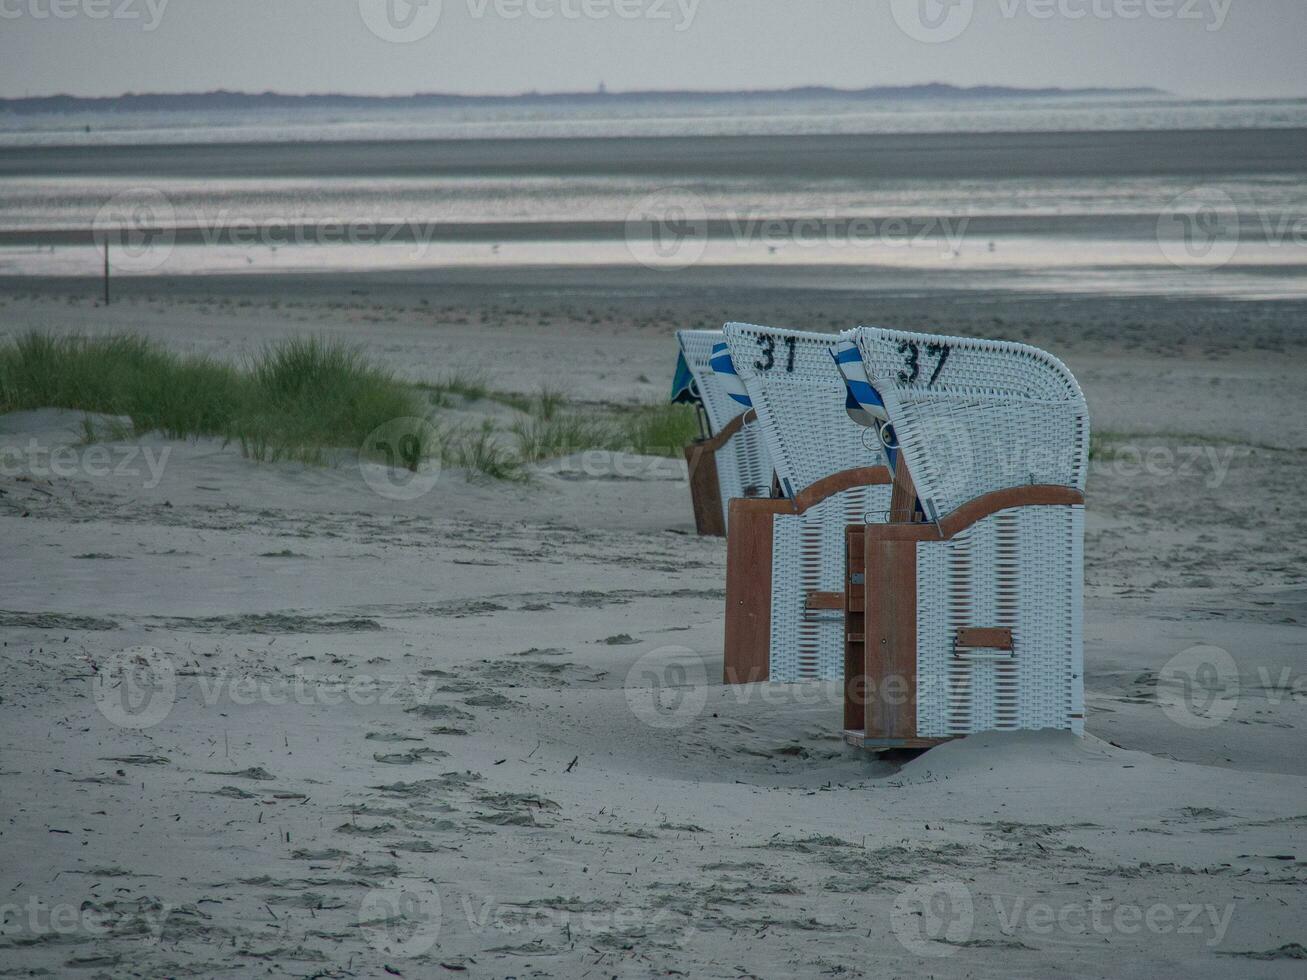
(1163, 153)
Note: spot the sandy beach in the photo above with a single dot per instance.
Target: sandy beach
(480, 732)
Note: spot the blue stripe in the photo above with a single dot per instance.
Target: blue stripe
(847, 356)
(744, 400)
(864, 393)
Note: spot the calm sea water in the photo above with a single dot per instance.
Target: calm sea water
(1238, 235)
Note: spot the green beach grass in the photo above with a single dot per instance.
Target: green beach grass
(305, 398)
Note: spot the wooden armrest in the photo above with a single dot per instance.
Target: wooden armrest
(973, 511)
(828, 486)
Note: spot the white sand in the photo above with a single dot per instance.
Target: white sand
(566, 832)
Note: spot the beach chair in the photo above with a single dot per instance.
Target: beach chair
(785, 555)
(964, 612)
(729, 460)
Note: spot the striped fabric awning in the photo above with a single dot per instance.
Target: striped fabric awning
(862, 401)
(724, 368)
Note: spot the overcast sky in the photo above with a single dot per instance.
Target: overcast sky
(1215, 48)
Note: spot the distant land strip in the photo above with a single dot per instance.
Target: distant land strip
(222, 99)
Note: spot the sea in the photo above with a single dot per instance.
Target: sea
(1145, 194)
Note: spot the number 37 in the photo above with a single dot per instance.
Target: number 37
(912, 361)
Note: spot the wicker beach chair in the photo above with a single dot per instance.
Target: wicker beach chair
(965, 611)
(785, 556)
(730, 459)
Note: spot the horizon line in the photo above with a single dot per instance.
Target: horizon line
(602, 92)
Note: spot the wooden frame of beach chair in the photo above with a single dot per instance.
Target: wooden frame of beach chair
(966, 616)
(785, 556)
(732, 461)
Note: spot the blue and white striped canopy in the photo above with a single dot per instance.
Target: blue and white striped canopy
(724, 368)
(863, 402)
(861, 399)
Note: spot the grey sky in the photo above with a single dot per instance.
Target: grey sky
(1215, 48)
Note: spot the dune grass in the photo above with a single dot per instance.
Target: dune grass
(296, 399)
(659, 430)
(304, 398)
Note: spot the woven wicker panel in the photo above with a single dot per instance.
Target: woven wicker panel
(744, 467)
(800, 403)
(697, 345)
(1022, 569)
(994, 415)
(808, 556)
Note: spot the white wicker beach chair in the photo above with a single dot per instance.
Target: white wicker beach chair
(968, 618)
(732, 461)
(785, 557)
